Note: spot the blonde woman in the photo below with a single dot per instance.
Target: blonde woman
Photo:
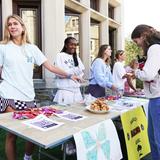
(17, 57)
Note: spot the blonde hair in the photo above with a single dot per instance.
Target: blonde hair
(7, 37)
(133, 62)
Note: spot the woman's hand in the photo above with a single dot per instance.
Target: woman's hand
(113, 88)
(77, 78)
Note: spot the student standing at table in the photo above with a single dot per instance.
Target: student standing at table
(100, 73)
(68, 90)
(119, 73)
(148, 39)
(17, 58)
(133, 65)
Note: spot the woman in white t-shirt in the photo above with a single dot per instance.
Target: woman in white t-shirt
(119, 73)
(17, 58)
(68, 90)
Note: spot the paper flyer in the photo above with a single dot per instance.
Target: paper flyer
(70, 116)
(42, 123)
(134, 124)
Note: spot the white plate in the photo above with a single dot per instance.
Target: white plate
(99, 112)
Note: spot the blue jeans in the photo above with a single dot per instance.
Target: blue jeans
(154, 127)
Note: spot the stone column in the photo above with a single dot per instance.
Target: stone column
(53, 30)
(6, 10)
(85, 41)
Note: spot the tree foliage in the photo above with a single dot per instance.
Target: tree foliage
(131, 51)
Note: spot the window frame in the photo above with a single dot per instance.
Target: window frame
(94, 4)
(70, 12)
(111, 11)
(24, 4)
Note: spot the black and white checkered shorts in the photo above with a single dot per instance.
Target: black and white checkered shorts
(15, 104)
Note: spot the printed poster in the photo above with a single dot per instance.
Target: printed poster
(42, 123)
(134, 124)
(98, 142)
(70, 116)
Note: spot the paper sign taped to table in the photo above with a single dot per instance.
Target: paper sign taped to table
(98, 142)
(134, 124)
(70, 116)
(42, 123)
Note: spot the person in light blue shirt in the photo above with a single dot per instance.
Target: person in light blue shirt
(100, 74)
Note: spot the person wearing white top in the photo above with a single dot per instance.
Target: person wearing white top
(148, 39)
(68, 90)
(17, 59)
(119, 73)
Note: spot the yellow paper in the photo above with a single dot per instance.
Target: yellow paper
(134, 124)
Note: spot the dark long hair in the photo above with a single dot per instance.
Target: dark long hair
(67, 41)
(151, 36)
(101, 52)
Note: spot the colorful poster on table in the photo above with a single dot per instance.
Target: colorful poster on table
(98, 142)
(134, 124)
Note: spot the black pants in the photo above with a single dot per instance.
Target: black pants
(96, 91)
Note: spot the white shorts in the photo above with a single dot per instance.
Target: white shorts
(68, 97)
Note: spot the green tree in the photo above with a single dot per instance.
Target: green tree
(131, 50)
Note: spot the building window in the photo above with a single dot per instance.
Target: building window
(72, 25)
(94, 4)
(31, 13)
(76, 35)
(94, 41)
(111, 11)
(112, 38)
(29, 18)
(0, 20)
(69, 35)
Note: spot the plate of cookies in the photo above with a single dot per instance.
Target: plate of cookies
(98, 106)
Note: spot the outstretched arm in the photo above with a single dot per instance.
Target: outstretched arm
(58, 71)
(129, 80)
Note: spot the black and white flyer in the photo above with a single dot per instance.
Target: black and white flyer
(42, 123)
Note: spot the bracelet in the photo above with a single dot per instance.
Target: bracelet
(69, 76)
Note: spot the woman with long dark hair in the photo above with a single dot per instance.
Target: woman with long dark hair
(100, 75)
(69, 91)
(148, 39)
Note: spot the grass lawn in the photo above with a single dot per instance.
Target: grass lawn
(20, 150)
